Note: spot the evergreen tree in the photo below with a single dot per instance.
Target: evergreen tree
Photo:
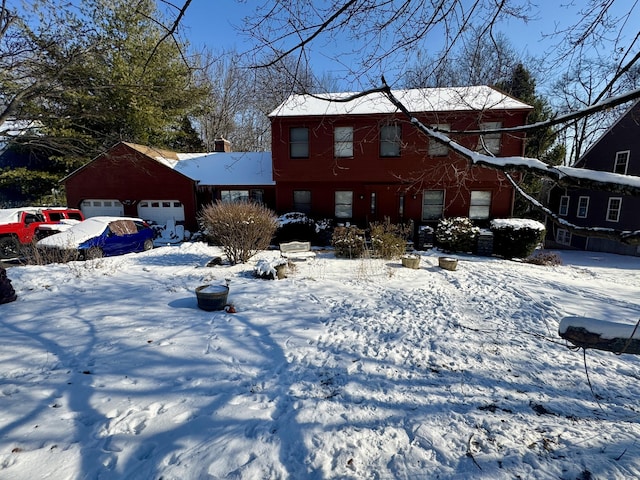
(541, 143)
(131, 84)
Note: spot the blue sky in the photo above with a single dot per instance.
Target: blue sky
(214, 24)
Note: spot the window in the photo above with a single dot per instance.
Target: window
(622, 162)
(390, 136)
(302, 201)
(490, 142)
(583, 207)
(344, 204)
(613, 209)
(432, 204)
(299, 142)
(232, 196)
(436, 149)
(480, 205)
(257, 195)
(343, 141)
(564, 205)
(563, 236)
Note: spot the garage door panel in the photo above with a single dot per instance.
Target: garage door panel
(161, 211)
(102, 207)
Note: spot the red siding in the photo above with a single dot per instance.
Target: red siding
(390, 178)
(129, 176)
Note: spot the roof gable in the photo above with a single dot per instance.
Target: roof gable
(452, 99)
(631, 115)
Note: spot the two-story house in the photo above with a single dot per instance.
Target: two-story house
(617, 151)
(361, 160)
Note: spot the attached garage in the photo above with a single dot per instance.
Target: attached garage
(161, 211)
(101, 207)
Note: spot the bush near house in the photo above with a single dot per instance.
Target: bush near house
(516, 237)
(295, 226)
(241, 229)
(388, 240)
(348, 242)
(456, 234)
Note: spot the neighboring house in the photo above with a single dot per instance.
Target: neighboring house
(361, 160)
(617, 151)
(167, 187)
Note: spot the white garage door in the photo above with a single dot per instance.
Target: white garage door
(161, 211)
(96, 208)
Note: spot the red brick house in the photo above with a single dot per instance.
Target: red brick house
(164, 186)
(361, 160)
(616, 151)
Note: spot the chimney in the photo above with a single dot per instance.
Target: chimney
(221, 145)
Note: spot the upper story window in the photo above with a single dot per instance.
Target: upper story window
(390, 137)
(480, 205)
(490, 142)
(613, 209)
(299, 142)
(436, 149)
(622, 162)
(583, 207)
(343, 141)
(564, 205)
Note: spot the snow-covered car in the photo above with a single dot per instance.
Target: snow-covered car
(101, 237)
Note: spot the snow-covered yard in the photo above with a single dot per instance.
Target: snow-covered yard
(346, 369)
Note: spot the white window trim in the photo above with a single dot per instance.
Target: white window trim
(343, 142)
(619, 199)
(350, 204)
(436, 149)
(564, 211)
(586, 210)
(490, 142)
(478, 205)
(395, 142)
(626, 163)
(563, 236)
(425, 219)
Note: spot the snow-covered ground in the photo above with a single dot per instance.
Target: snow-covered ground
(346, 369)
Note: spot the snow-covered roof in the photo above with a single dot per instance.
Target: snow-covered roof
(417, 100)
(227, 168)
(215, 168)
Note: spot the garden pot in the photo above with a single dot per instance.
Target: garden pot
(411, 262)
(448, 263)
(212, 297)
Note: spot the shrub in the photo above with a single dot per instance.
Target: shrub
(516, 237)
(241, 229)
(348, 242)
(295, 226)
(389, 240)
(456, 234)
(549, 259)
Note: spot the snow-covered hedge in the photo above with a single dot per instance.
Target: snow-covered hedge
(456, 234)
(516, 237)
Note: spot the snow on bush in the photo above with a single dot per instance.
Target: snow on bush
(456, 234)
(516, 237)
(267, 269)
